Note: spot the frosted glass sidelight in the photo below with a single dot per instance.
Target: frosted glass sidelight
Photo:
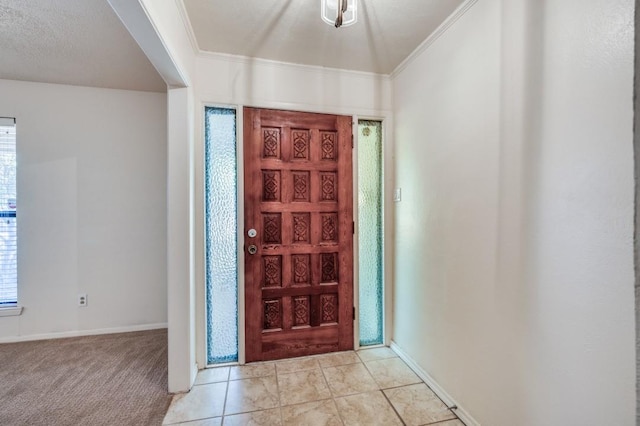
(370, 232)
(221, 235)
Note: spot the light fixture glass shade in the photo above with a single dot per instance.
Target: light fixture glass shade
(329, 12)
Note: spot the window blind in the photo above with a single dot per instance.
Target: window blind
(8, 229)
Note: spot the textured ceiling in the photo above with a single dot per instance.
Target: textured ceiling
(387, 31)
(78, 42)
(83, 42)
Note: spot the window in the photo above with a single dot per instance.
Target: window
(8, 230)
(370, 232)
(221, 235)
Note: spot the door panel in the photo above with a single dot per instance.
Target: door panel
(298, 199)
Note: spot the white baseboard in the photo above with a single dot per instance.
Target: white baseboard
(435, 387)
(78, 333)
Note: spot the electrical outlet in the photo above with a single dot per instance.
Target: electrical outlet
(82, 299)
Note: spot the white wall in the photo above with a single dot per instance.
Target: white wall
(514, 257)
(180, 242)
(91, 208)
(160, 28)
(236, 80)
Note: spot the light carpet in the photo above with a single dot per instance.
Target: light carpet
(114, 379)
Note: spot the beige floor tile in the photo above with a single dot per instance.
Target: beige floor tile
(418, 405)
(317, 413)
(367, 409)
(392, 372)
(216, 421)
(257, 418)
(296, 364)
(255, 394)
(349, 379)
(212, 375)
(376, 354)
(338, 358)
(200, 403)
(302, 386)
(250, 371)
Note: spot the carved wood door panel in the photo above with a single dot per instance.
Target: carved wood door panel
(299, 200)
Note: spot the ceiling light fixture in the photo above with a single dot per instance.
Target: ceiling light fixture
(340, 13)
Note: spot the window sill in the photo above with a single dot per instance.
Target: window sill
(10, 311)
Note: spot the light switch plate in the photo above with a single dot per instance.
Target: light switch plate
(397, 195)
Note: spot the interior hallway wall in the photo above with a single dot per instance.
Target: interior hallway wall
(91, 209)
(161, 31)
(514, 251)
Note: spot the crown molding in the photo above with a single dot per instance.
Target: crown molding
(184, 16)
(247, 60)
(435, 35)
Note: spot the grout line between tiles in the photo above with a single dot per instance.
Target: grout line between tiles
(333, 397)
(326, 382)
(335, 405)
(371, 374)
(409, 384)
(403, 386)
(436, 395)
(226, 393)
(442, 421)
(275, 368)
(393, 407)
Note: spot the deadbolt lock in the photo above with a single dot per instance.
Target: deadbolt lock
(252, 249)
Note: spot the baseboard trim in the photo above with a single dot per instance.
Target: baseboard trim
(80, 333)
(435, 387)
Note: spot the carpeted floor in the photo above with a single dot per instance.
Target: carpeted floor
(114, 379)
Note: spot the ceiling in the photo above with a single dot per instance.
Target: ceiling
(386, 33)
(77, 42)
(83, 42)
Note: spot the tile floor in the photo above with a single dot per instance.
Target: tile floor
(368, 387)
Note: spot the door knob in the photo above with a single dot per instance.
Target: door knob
(252, 249)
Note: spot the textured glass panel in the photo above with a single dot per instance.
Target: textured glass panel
(221, 235)
(370, 231)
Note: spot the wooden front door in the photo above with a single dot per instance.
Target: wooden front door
(299, 205)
